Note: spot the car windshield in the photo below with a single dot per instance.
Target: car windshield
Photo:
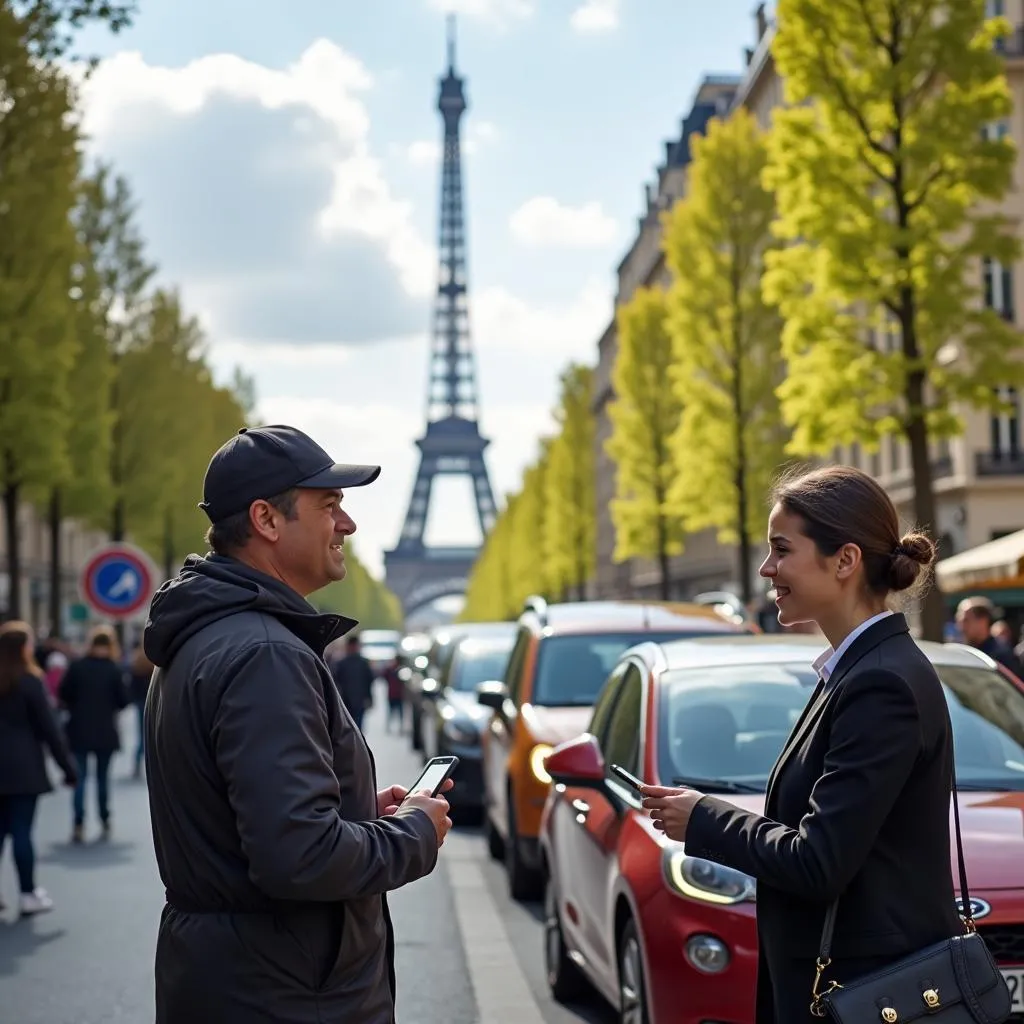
(730, 722)
(571, 669)
(478, 662)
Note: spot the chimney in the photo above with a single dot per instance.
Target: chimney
(762, 21)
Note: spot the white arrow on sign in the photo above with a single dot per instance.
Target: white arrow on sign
(126, 585)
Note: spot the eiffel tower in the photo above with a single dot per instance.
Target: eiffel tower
(452, 444)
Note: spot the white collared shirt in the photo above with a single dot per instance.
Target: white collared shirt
(825, 663)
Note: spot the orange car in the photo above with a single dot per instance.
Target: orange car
(562, 655)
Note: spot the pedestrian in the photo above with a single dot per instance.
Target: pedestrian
(975, 617)
(138, 686)
(396, 695)
(275, 847)
(27, 726)
(857, 807)
(93, 693)
(354, 677)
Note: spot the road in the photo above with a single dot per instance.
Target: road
(466, 954)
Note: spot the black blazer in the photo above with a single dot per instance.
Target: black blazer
(94, 692)
(858, 806)
(27, 726)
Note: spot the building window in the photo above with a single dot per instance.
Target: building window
(995, 8)
(876, 463)
(998, 287)
(993, 131)
(1006, 427)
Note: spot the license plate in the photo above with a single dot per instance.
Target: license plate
(1015, 983)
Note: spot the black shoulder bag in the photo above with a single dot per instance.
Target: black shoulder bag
(953, 982)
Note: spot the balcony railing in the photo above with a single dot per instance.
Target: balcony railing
(998, 463)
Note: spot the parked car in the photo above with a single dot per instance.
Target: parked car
(454, 719)
(670, 938)
(430, 667)
(562, 655)
(379, 647)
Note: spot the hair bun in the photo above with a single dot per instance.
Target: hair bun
(914, 552)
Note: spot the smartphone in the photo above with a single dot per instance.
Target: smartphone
(434, 775)
(627, 777)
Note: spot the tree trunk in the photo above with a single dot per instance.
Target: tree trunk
(56, 604)
(13, 548)
(663, 558)
(117, 521)
(739, 414)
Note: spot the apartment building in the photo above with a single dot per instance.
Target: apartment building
(979, 476)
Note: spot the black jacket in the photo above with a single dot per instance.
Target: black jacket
(263, 805)
(94, 692)
(858, 806)
(354, 678)
(27, 725)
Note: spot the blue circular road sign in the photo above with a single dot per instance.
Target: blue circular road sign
(117, 581)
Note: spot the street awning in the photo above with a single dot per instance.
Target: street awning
(997, 563)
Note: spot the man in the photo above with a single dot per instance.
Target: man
(275, 848)
(354, 678)
(974, 617)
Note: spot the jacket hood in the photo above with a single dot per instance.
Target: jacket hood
(212, 588)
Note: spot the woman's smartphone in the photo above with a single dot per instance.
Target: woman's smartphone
(627, 777)
(435, 774)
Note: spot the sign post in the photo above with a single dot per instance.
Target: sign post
(118, 581)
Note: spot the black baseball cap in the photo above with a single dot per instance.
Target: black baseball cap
(259, 462)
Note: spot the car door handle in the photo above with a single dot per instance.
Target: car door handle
(582, 809)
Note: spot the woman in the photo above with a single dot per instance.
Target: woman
(27, 723)
(94, 694)
(858, 802)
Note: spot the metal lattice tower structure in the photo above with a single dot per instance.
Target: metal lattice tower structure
(452, 444)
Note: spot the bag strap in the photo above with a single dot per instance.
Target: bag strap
(965, 896)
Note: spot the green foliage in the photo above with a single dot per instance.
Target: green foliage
(569, 538)
(528, 568)
(360, 596)
(887, 188)
(489, 594)
(727, 346)
(49, 26)
(38, 150)
(644, 414)
(881, 173)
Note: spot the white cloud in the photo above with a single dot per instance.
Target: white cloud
(496, 11)
(124, 94)
(260, 196)
(596, 16)
(545, 221)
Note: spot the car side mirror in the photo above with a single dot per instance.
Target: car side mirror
(577, 762)
(492, 694)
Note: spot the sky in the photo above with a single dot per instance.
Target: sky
(285, 158)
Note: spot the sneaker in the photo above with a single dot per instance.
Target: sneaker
(37, 902)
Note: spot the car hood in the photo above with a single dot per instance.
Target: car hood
(992, 825)
(465, 705)
(556, 725)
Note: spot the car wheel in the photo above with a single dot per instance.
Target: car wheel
(632, 991)
(564, 978)
(522, 882)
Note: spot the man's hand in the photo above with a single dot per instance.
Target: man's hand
(389, 799)
(435, 808)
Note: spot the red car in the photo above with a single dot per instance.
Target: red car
(671, 939)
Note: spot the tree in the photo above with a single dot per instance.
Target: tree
(489, 592)
(49, 25)
(570, 504)
(644, 414)
(38, 154)
(727, 340)
(528, 571)
(885, 182)
(360, 596)
(107, 224)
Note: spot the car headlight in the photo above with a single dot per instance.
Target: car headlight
(705, 880)
(537, 756)
(458, 730)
